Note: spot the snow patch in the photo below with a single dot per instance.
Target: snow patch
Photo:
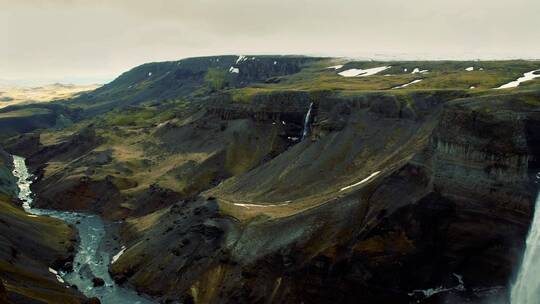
(262, 206)
(234, 70)
(149, 74)
(472, 87)
(526, 77)
(405, 70)
(275, 62)
(407, 84)
(58, 277)
(469, 69)
(362, 181)
(418, 71)
(241, 58)
(335, 67)
(363, 73)
(117, 256)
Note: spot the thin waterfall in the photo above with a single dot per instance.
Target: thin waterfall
(306, 121)
(526, 288)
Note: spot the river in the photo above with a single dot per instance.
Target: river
(91, 261)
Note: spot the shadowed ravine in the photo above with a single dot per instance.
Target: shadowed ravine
(90, 261)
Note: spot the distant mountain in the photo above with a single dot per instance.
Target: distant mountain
(188, 77)
(16, 95)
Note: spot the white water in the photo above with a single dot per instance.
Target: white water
(426, 293)
(526, 289)
(91, 260)
(306, 121)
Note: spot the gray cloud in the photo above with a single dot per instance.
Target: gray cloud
(63, 39)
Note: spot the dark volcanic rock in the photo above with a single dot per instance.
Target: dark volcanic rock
(3, 293)
(92, 301)
(98, 282)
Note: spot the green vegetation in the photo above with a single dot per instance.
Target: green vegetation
(216, 79)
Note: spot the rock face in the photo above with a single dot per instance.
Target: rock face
(453, 199)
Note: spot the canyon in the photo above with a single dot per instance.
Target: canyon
(282, 181)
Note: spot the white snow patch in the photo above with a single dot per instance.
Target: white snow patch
(58, 277)
(283, 122)
(117, 256)
(362, 181)
(234, 70)
(363, 73)
(469, 69)
(275, 62)
(262, 206)
(418, 71)
(149, 74)
(526, 77)
(472, 87)
(31, 215)
(405, 70)
(407, 84)
(335, 67)
(240, 58)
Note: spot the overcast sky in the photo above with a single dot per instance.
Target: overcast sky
(95, 40)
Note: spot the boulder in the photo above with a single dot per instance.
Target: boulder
(98, 282)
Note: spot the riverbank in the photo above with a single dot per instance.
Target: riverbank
(90, 266)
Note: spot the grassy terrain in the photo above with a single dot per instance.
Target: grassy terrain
(441, 75)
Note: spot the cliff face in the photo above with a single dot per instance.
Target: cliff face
(452, 201)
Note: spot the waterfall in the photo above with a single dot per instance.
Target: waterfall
(526, 288)
(306, 121)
